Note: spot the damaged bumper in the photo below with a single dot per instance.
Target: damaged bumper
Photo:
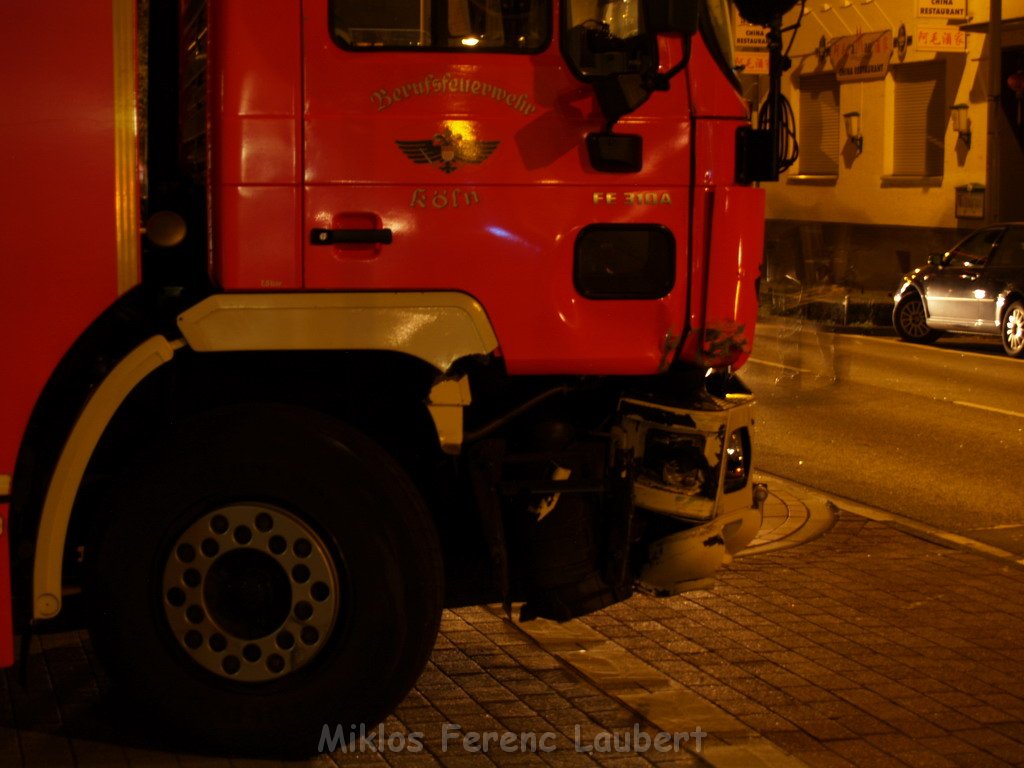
(692, 489)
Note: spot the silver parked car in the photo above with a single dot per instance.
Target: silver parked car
(975, 287)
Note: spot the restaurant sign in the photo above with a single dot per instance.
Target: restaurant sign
(864, 56)
(749, 35)
(940, 39)
(942, 9)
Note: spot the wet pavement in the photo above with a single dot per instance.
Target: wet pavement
(843, 636)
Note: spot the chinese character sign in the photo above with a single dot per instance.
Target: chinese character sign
(864, 56)
(752, 62)
(940, 39)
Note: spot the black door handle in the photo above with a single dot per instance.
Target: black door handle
(348, 236)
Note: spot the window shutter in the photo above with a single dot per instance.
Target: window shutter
(919, 117)
(819, 125)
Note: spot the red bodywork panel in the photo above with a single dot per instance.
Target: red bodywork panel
(6, 614)
(503, 228)
(305, 135)
(728, 219)
(58, 239)
(6, 623)
(256, 143)
(725, 304)
(712, 93)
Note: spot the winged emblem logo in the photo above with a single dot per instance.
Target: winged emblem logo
(447, 150)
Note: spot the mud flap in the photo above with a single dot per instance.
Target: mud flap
(580, 554)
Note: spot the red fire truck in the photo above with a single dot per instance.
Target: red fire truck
(321, 315)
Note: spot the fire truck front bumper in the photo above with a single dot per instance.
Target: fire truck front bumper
(693, 493)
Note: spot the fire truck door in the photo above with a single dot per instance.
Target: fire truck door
(445, 149)
(411, 108)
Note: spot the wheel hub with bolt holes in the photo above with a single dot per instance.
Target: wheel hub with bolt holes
(1014, 329)
(250, 592)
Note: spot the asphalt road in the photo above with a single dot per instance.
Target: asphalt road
(935, 434)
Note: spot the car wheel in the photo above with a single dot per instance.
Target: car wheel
(267, 573)
(909, 320)
(1013, 329)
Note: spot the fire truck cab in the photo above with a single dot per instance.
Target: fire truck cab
(321, 315)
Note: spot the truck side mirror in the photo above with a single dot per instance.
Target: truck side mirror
(619, 95)
(673, 16)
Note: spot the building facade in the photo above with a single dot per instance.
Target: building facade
(908, 118)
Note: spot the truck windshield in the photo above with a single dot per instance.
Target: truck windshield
(619, 18)
(509, 26)
(598, 31)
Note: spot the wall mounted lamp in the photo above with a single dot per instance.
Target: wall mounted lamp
(961, 123)
(852, 122)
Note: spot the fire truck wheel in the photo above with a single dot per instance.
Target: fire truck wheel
(264, 577)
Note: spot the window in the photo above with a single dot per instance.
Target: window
(819, 125)
(1011, 249)
(975, 249)
(467, 25)
(622, 17)
(919, 119)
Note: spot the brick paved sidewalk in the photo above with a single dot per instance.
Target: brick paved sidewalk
(485, 677)
(869, 646)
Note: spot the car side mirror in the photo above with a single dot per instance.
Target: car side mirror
(935, 259)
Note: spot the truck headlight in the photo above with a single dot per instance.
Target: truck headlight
(676, 460)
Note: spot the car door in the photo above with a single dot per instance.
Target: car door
(951, 292)
(1003, 272)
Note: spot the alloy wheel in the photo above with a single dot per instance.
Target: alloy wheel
(1013, 330)
(912, 319)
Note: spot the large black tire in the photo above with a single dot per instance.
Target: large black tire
(1012, 333)
(266, 572)
(908, 318)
